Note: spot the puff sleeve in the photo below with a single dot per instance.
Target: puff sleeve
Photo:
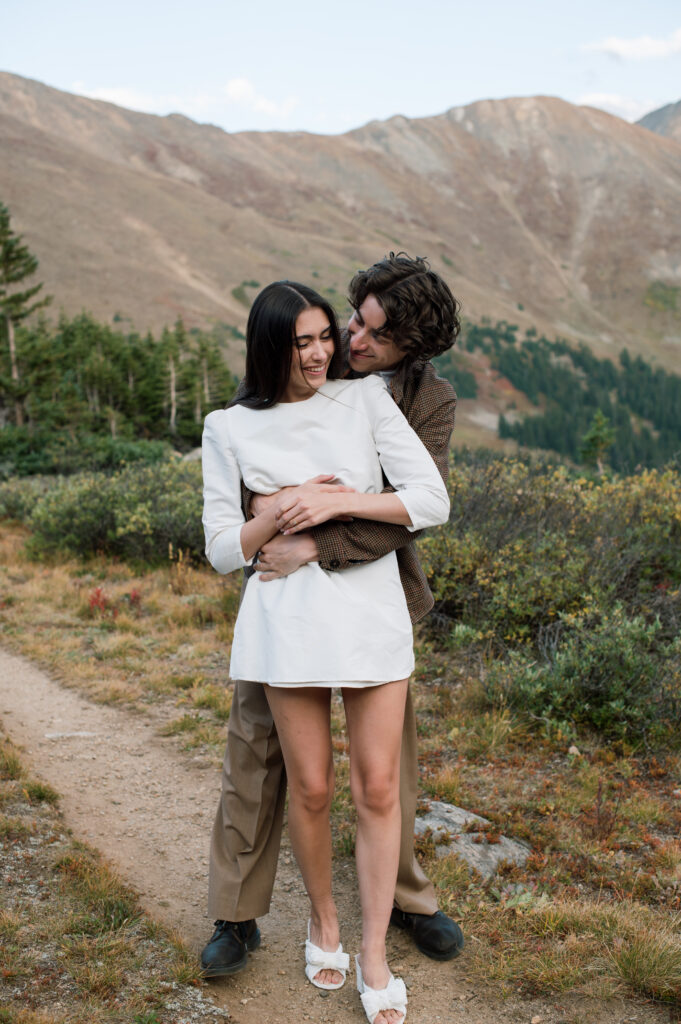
(405, 460)
(223, 516)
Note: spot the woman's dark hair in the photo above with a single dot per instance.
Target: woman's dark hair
(270, 334)
(421, 314)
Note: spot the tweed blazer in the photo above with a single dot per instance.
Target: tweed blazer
(428, 403)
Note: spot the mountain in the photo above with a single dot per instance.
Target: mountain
(665, 121)
(535, 210)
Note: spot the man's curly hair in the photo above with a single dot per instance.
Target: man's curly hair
(421, 314)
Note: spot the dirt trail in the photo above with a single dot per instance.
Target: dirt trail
(149, 809)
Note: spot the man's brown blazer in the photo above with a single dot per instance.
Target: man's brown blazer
(428, 403)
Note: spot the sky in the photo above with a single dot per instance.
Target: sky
(329, 67)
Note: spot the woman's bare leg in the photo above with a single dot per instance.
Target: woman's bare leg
(375, 716)
(302, 717)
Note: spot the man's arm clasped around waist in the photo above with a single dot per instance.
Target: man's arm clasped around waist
(430, 414)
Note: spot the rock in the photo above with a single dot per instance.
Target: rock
(193, 456)
(447, 824)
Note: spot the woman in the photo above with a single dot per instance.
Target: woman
(296, 421)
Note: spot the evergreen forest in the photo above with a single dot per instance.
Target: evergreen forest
(90, 396)
(574, 389)
(87, 395)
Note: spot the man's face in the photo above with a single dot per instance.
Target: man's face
(370, 351)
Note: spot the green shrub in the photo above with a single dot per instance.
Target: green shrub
(506, 563)
(662, 297)
(612, 675)
(135, 513)
(25, 452)
(76, 516)
(239, 293)
(18, 497)
(528, 542)
(573, 584)
(156, 507)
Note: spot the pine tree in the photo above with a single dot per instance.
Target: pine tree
(16, 264)
(172, 350)
(595, 443)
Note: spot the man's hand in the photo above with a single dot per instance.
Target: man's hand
(283, 555)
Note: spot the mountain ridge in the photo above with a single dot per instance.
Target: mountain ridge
(664, 121)
(528, 206)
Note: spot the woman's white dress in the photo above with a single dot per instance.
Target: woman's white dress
(315, 627)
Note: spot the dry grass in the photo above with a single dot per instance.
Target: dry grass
(121, 636)
(604, 876)
(666, 859)
(560, 945)
(37, 792)
(649, 962)
(488, 733)
(75, 945)
(447, 784)
(10, 765)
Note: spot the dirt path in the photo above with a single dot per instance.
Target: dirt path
(149, 809)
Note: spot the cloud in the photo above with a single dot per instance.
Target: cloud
(642, 48)
(238, 92)
(243, 93)
(622, 106)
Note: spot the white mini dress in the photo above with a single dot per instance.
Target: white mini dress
(315, 627)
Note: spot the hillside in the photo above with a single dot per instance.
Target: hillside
(535, 210)
(665, 121)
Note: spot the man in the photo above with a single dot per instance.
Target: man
(404, 314)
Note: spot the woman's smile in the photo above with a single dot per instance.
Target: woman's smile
(313, 350)
(316, 371)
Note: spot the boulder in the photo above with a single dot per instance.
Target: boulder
(447, 823)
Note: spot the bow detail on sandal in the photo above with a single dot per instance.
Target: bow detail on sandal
(317, 960)
(392, 997)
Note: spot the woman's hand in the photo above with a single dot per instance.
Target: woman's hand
(312, 503)
(266, 524)
(262, 502)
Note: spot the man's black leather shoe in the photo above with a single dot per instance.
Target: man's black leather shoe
(436, 935)
(227, 951)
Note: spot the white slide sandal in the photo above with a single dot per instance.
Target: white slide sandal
(317, 960)
(392, 997)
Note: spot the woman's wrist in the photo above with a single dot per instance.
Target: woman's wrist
(385, 507)
(258, 531)
(351, 503)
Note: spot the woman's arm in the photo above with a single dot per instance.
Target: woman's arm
(263, 527)
(257, 532)
(223, 518)
(231, 542)
(306, 509)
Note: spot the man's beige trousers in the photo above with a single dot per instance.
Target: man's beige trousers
(247, 830)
